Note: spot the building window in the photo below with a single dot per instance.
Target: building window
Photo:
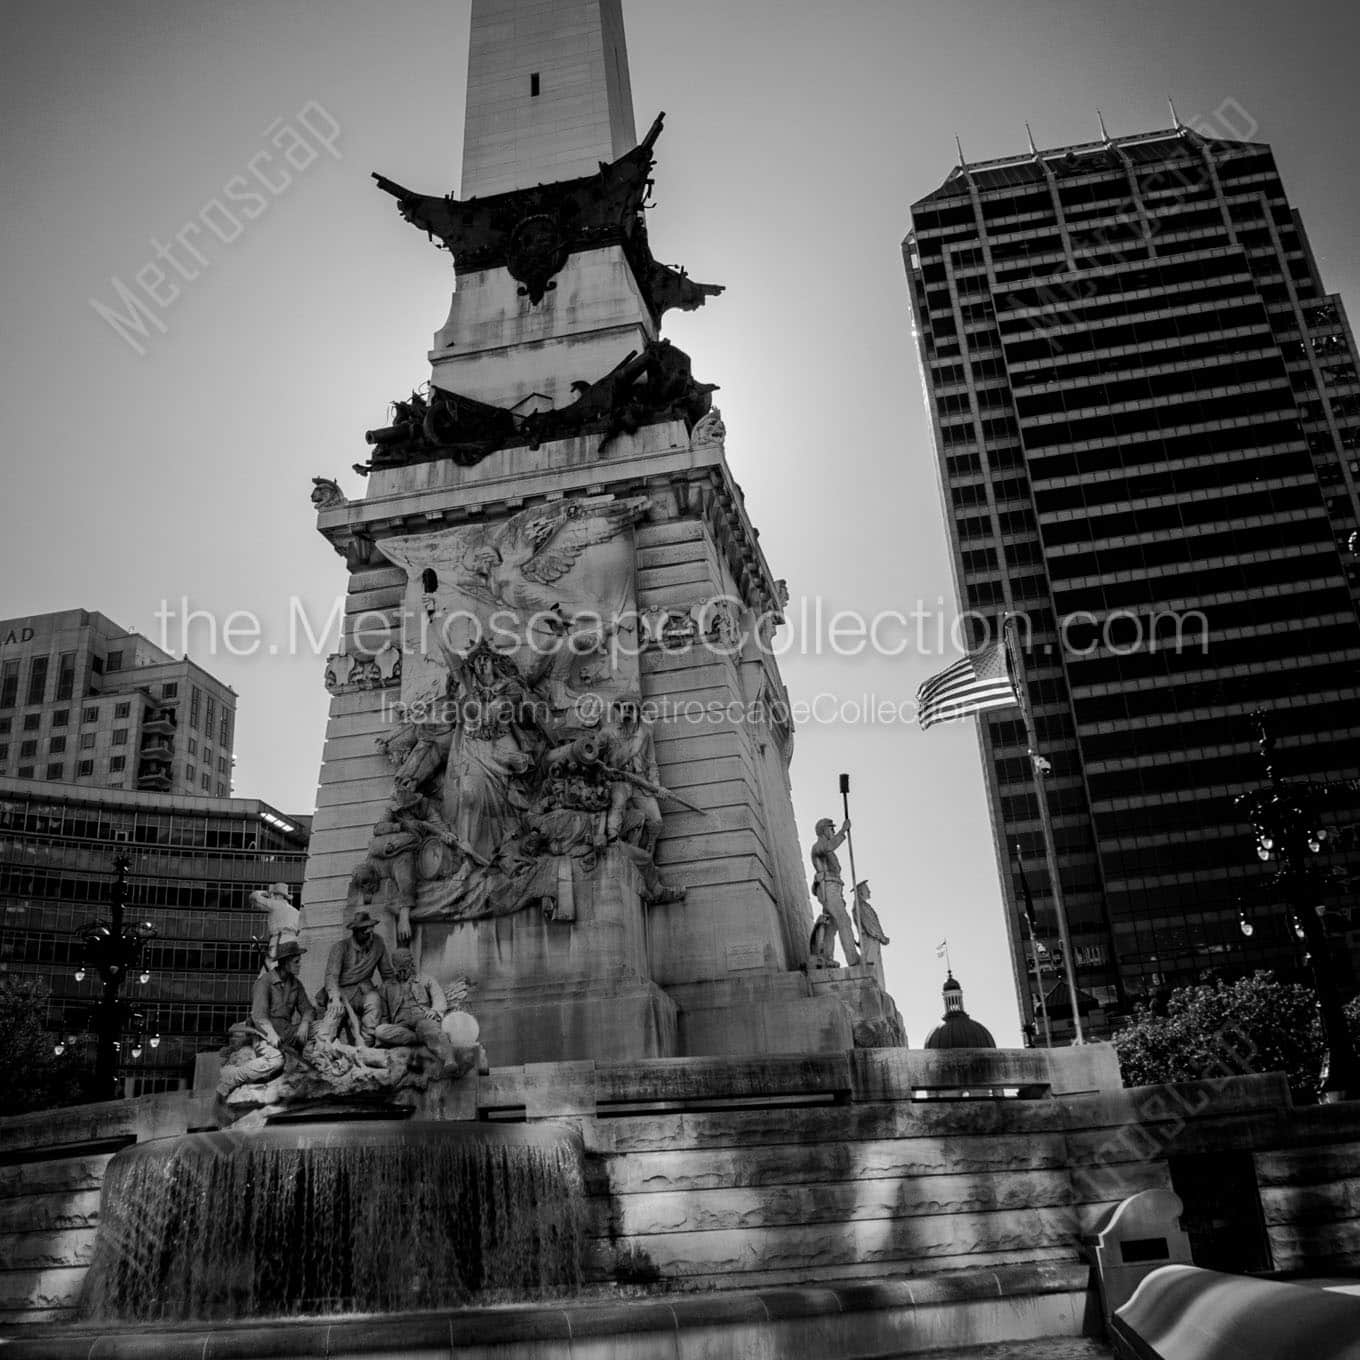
(25, 771)
(534, 86)
(224, 736)
(209, 715)
(122, 710)
(37, 679)
(66, 675)
(85, 768)
(54, 770)
(61, 717)
(91, 714)
(190, 773)
(193, 747)
(117, 763)
(56, 744)
(195, 706)
(87, 741)
(32, 721)
(206, 781)
(221, 764)
(27, 749)
(120, 736)
(5, 724)
(114, 662)
(9, 684)
(4, 750)
(169, 690)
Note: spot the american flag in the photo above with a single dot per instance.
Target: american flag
(973, 684)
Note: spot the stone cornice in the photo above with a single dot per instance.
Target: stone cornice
(659, 458)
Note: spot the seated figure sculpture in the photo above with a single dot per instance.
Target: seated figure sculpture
(355, 965)
(413, 1004)
(280, 1008)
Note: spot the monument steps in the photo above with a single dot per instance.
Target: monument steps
(51, 1211)
(792, 1163)
(826, 1201)
(72, 1246)
(61, 1175)
(601, 1256)
(915, 1245)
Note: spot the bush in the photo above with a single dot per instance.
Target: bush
(32, 1077)
(1255, 1024)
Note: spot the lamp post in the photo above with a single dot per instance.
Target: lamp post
(1287, 819)
(113, 948)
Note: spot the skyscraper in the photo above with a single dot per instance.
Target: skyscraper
(1147, 418)
(85, 701)
(192, 865)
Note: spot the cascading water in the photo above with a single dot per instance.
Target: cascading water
(373, 1216)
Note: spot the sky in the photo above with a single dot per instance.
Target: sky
(142, 484)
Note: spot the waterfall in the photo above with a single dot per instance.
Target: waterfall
(372, 1216)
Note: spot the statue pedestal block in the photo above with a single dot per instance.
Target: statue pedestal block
(549, 990)
(759, 1012)
(858, 989)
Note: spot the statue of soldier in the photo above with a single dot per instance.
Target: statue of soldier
(871, 936)
(630, 753)
(247, 1060)
(353, 966)
(413, 1004)
(827, 885)
(276, 902)
(280, 1008)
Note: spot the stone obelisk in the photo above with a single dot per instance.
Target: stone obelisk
(557, 755)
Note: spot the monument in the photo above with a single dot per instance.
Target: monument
(573, 1033)
(556, 762)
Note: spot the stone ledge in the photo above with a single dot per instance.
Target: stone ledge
(748, 1314)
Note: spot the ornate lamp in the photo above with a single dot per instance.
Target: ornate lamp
(1286, 817)
(113, 948)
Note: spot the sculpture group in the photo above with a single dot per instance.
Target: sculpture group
(524, 766)
(828, 887)
(507, 802)
(377, 1027)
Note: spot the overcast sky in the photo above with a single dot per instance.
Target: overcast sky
(797, 135)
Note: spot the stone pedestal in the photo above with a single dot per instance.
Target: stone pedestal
(873, 1015)
(552, 990)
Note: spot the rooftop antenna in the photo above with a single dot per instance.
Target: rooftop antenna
(1034, 150)
(1104, 136)
(1175, 117)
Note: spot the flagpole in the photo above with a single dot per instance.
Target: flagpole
(1041, 1005)
(850, 847)
(1039, 988)
(1038, 763)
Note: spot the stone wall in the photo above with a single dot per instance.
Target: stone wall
(723, 1173)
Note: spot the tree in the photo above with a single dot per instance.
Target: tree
(32, 1076)
(1254, 1024)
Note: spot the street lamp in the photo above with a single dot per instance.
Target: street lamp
(1287, 820)
(113, 949)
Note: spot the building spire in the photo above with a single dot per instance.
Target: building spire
(1104, 136)
(1034, 150)
(963, 163)
(1175, 117)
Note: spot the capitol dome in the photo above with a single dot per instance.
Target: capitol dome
(958, 1029)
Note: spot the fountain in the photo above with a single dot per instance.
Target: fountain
(363, 1216)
